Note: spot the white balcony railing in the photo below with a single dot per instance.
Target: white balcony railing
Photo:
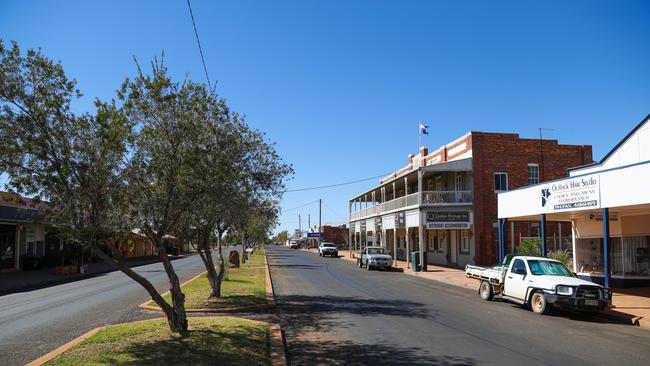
(428, 198)
(446, 197)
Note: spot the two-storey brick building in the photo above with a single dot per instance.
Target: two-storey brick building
(448, 197)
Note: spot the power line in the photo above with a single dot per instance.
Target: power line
(335, 185)
(196, 33)
(301, 206)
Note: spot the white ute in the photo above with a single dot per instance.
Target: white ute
(540, 282)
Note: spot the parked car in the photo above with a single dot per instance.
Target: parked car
(293, 245)
(540, 283)
(327, 248)
(374, 257)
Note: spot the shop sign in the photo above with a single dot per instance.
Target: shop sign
(400, 219)
(378, 224)
(447, 225)
(580, 193)
(31, 234)
(437, 216)
(599, 217)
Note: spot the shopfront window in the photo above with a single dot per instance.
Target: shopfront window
(7, 246)
(629, 256)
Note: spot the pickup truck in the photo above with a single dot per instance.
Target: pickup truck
(374, 257)
(540, 283)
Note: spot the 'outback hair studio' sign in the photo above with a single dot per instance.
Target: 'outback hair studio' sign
(448, 220)
(580, 193)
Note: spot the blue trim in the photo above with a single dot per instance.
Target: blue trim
(620, 143)
(542, 225)
(606, 244)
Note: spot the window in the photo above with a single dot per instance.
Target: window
(459, 182)
(500, 182)
(434, 242)
(540, 268)
(519, 266)
(533, 173)
(464, 242)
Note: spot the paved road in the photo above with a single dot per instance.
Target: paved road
(36, 322)
(336, 314)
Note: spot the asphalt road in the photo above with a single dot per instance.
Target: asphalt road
(334, 313)
(36, 322)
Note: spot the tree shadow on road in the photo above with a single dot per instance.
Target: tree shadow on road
(302, 313)
(351, 353)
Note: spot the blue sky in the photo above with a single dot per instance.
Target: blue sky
(341, 85)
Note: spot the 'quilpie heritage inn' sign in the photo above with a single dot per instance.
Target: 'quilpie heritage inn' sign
(579, 193)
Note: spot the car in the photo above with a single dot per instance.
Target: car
(540, 283)
(327, 248)
(375, 257)
(293, 245)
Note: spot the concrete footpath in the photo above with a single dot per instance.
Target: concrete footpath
(628, 305)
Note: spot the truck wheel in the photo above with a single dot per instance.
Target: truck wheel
(485, 291)
(538, 303)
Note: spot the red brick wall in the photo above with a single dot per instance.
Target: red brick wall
(335, 234)
(497, 152)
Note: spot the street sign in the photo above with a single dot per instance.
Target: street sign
(315, 235)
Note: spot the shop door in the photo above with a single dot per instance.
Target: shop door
(7, 246)
(453, 244)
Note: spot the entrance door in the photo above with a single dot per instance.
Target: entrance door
(453, 246)
(7, 246)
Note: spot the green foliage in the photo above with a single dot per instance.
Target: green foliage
(559, 255)
(532, 247)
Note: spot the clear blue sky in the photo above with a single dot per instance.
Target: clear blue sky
(341, 85)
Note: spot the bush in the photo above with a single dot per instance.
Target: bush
(560, 255)
(530, 247)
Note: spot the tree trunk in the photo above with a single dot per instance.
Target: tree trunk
(177, 318)
(215, 285)
(176, 323)
(222, 268)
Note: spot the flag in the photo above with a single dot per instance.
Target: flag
(423, 129)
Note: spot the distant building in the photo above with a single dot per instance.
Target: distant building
(335, 233)
(448, 197)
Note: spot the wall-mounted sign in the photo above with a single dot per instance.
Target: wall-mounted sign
(315, 235)
(571, 194)
(447, 225)
(378, 224)
(599, 217)
(400, 219)
(447, 216)
(363, 225)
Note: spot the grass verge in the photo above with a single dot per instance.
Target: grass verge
(211, 341)
(245, 286)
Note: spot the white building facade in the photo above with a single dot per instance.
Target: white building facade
(608, 206)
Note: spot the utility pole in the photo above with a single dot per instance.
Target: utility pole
(309, 221)
(299, 225)
(320, 213)
(541, 153)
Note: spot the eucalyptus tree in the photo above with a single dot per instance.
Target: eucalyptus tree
(235, 166)
(159, 175)
(72, 162)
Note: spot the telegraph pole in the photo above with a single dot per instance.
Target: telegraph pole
(299, 225)
(320, 212)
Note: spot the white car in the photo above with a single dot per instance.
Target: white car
(375, 257)
(541, 283)
(327, 248)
